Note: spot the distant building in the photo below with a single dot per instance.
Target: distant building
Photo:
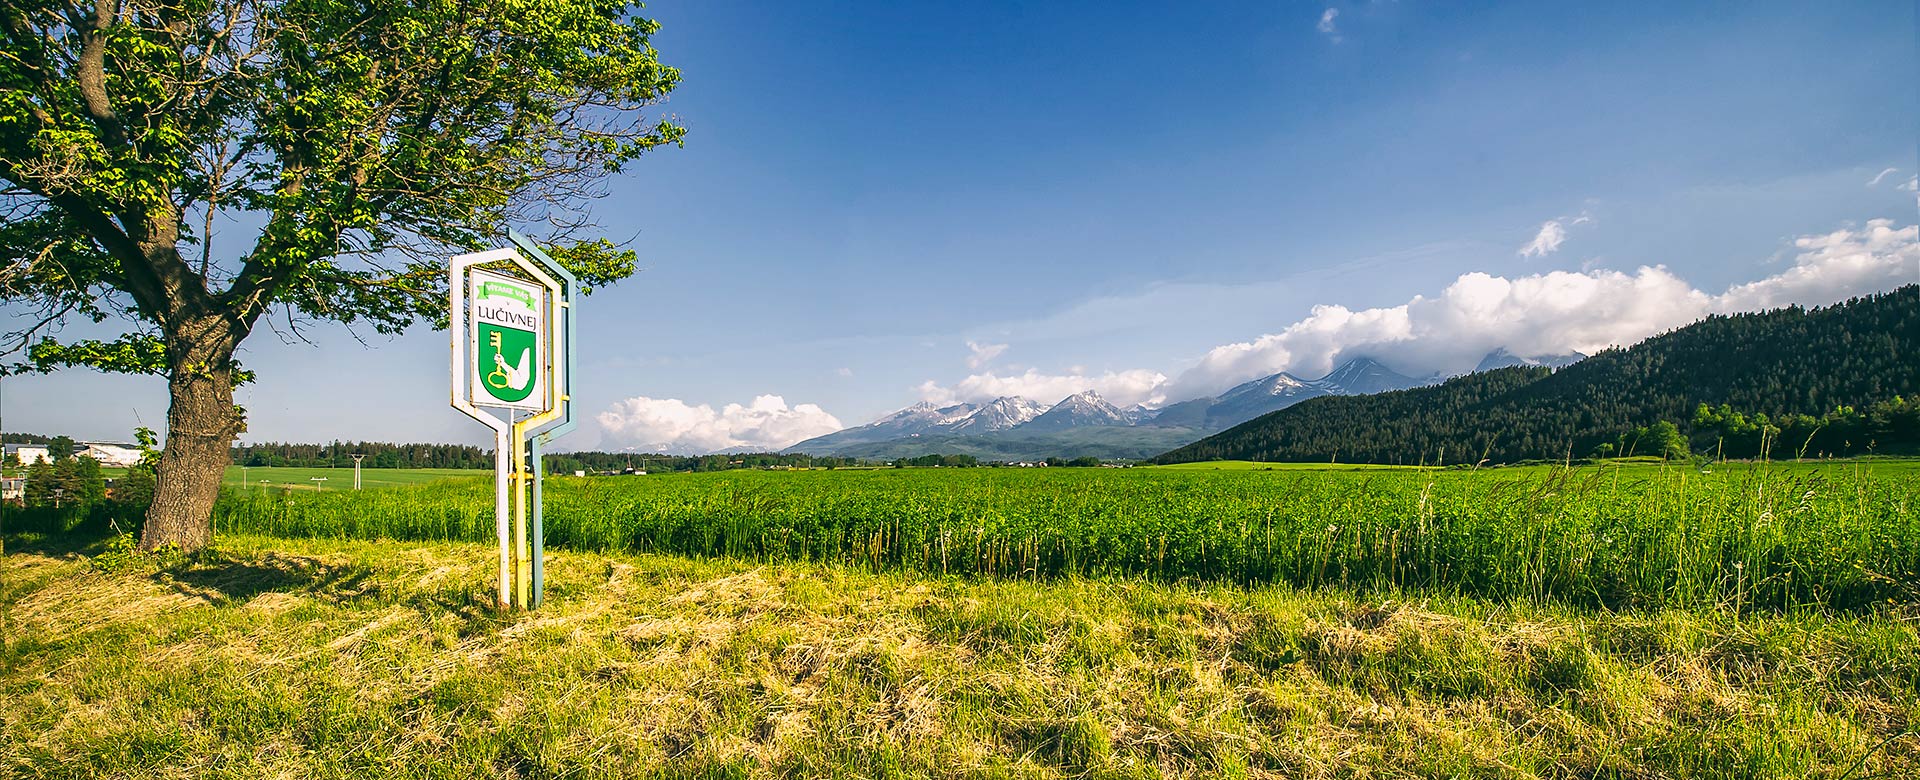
(110, 453)
(13, 489)
(28, 453)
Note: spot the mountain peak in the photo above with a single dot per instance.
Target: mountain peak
(1364, 375)
(1085, 408)
(999, 414)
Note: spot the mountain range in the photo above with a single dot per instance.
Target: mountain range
(1085, 424)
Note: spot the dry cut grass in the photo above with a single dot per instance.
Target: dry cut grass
(278, 658)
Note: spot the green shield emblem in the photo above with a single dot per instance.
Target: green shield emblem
(508, 360)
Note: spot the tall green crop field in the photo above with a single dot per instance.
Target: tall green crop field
(1843, 535)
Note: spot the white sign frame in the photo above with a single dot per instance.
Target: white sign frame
(508, 434)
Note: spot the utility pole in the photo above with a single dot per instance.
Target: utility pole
(356, 469)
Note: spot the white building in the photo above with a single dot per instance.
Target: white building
(109, 453)
(28, 453)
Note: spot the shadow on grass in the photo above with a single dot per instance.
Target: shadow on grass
(54, 544)
(223, 577)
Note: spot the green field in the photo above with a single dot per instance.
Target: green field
(277, 478)
(1248, 465)
(1604, 621)
(1839, 535)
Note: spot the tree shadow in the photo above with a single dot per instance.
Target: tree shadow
(221, 577)
(81, 541)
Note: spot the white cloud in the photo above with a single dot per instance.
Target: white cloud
(843, 371)
(1122, 388)
(1552, 234)
(1834, 267)
(982, 354)
(1326, 25)
(1882, 175)
(1553, 313)
(672, 425)
(1912, 185)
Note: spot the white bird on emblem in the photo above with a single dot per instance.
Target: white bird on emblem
(518, 374)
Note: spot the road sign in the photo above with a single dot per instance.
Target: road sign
(512, 331)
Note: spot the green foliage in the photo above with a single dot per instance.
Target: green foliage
(148, 442)
(40, 483)
(939, 461)
(133, 353)
(60, 448)
(1787, 382)
(1743, 536)
(134, 490)
(366, 138)
(89, 485)
(118, 553)
(1661, 440)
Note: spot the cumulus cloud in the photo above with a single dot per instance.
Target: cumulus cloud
(1122, 388)
(982, 354)
(1834, 267)
(1326, 25)
(674, 426)
(1553, 313)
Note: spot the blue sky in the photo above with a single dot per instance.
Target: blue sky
(1129, 197)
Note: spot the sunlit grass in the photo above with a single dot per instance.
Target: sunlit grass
(336, 659)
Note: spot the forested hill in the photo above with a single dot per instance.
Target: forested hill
(1835, 380)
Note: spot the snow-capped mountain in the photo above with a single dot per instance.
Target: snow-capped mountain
(1359, 376)
(1019, 425)
(1365, 376)
(1080, 410)
(916, 420)
(999, 415)
(1501, 358)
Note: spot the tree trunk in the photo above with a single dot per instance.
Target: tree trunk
(201, 425)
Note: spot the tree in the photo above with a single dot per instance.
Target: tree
(90, 485)
(1663, 438)
(135, 490)
(67, 484)
(61, 448)
(40, 483)
(368, 138)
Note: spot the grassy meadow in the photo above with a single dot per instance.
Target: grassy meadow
(1611, 621)
(1840, 535)
(353, 659)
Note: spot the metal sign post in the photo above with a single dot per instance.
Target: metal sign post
(511, 326)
